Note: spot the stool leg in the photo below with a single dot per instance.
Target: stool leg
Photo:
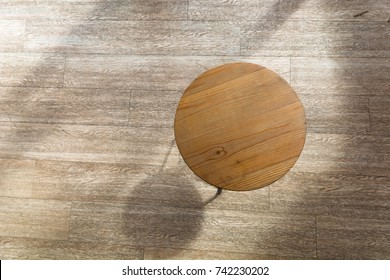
(219, 191)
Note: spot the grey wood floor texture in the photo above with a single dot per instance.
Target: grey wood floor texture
(88, 164)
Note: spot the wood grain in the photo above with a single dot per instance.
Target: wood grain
(16, 177)
(36, 70)
(342, 10)
(380, 115)
(347, 153)
(246, 232)
(331, 38)
(344, 76)
(88, 181)
(86, 143)
(12, 35)
(63, 106)
(240, 126)
(38, 249)
(144, 184)
(96, 9)
(170, 10)
(45, 219)
(336, 113)
(113, 71)
(240, 10)
(150, 108)
(299, 10)
(45, 9)
(345, 238)
(186, 254)
(333, 193)
(133, 37)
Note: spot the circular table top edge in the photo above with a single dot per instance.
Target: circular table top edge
(292, 159)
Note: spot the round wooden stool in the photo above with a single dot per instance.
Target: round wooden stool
(240, 126)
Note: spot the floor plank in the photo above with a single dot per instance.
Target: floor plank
(240, 10)
(155, 185)
(37, 249)
(179, 254)
(166, 226)
(315, 38)
(336, 113)
(301, 10)
(64, 106)
(12, 35)
(36, 70)
(332, 193)
(150, 108)
(377, 10)
(87, 143)
(380, 115)
(347, 153)
(44, 219)
(133, 37)
(16, 177)
(30, 9)
(344, 76)
(96, 9)
(151, 72)
(88, 181)
(141, 10)
(345, 238)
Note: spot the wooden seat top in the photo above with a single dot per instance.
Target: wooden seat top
(240, 126)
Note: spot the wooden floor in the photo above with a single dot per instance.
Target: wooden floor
(88, 164)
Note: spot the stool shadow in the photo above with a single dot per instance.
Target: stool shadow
(165, 212)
